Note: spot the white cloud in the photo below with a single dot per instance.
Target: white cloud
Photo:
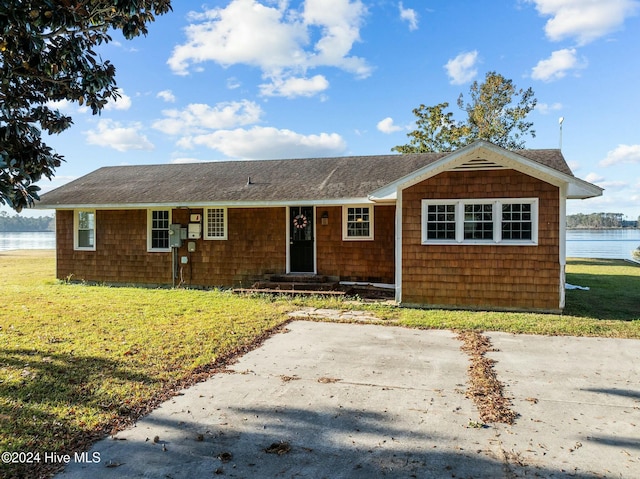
(387, 126)
(65, 106)
(198, 117)
(233, 83)
(122, 103)
(545, 108)
(584, 20)
(184, 160)
(574, 165)
(167, 95)
(267, 143)
(409, 15)
(112, 134)
(593, 178)
(462, 68)
(295, 87)
(275, 39)
(613, 184)
(622, 154)
(557, 65)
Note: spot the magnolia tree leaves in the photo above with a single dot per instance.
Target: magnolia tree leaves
(47, 55)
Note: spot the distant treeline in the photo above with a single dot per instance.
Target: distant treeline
(19, 223)
(600, 220)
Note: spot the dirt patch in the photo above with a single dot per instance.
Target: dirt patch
(486, 391)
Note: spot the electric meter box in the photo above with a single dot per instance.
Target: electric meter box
(195, 230)
(176, 234)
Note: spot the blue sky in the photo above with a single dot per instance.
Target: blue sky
(253, 79)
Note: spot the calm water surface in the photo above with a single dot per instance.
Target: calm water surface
(580, 243)
(41, 240)
(602, 243)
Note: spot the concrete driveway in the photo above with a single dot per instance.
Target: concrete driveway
(327, 400)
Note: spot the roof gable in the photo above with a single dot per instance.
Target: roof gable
(546, 165)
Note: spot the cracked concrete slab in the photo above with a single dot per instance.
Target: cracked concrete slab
(578, 401)
(332, 400)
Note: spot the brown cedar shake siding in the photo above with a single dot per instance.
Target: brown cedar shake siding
(359, 260)
(478, 276)
(255, 246)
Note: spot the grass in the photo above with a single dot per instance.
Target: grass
(79, 361)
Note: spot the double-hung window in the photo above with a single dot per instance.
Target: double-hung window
(215, 224)
(439, 221)
(84, 222)
(517, 221)
(470, 221)
(158, 222)
(357, 222)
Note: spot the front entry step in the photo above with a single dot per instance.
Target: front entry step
(303, 284)
(298, 282)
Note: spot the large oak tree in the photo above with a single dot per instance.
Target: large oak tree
(47, 55)
(492, 114)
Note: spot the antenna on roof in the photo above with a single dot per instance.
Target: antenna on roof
(560, 123)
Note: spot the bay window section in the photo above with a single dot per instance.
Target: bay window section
(440, 222)
(471, 221)
(516, 221)
(478, 221)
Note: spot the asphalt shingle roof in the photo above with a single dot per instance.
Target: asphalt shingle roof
(311, 179)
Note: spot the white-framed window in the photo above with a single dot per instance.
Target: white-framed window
(357, 222)
(158, 222)
(480, 221)
(84, 230)
(215, 225)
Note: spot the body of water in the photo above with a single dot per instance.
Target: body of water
(602, 243)
(27, 240)
(580, 243)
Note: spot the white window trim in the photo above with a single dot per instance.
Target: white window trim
(206, 224)
(149, 224)
(497, 221)
(76, 230)
(345, 223)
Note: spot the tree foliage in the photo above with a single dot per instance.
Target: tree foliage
(492, 114)
(598, 220)
(19, 223)
(47, 55)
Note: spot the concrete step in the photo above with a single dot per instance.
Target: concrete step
(298, 278)
(295, 285)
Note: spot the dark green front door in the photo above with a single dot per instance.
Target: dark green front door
(301, 250)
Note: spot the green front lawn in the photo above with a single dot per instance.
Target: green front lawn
(79, 361)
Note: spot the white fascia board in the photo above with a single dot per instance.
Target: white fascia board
(580, 190)
(211, 204)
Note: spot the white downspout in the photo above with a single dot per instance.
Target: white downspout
(563, 241)
(398, 245)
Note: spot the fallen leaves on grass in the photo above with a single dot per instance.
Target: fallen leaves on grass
(485, 389)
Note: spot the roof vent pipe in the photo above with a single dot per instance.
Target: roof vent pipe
(249, 181)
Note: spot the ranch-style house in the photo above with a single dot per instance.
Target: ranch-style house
(481, 227)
